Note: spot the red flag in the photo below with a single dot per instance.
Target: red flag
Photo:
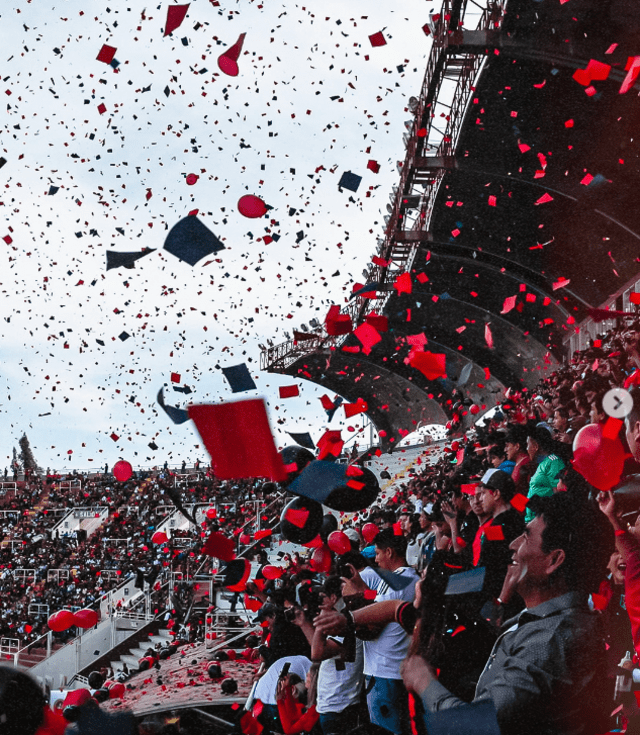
(238, 438)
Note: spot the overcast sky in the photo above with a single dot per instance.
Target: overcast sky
(312, 100)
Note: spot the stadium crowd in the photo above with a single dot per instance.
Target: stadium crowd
(44, 569)
(500, 580)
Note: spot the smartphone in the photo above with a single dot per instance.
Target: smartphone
(285, 670)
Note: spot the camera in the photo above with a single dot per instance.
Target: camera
(344, 570)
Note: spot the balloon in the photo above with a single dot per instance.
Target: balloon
(329, 524)
(321, 560)
(60, 621)
(301, 520)
(598, 459)
(295, 459)
(116, 690)
(272, 572)
(86, 618)
(214, 670)
(159, 537)
(192, 179)
(96, 680)
(122, 471)
(245, 539)
(211, 513)
(101, 695)
(339, 542)
(473, 409)
(314, 543)
(370, 531)
(251, 206)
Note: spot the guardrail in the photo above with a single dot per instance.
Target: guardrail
(23, 575)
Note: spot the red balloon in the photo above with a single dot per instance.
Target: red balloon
(314, 543)
(211, 513)
(321, 559)
(116, 690)
(339, 542)
(192, 179)
(159, 537)
(60, 621)
(598, 459)
(245, 539)
(272, 572)
(474, 409)
(370, 531)
(251, 206)
(85, 618)
(122, 471)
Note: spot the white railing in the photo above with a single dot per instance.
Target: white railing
(24, 574)
(216, 624)
(97, 511)
(179, 542)
(116, 541)
(13, 545)
(38, 608)
(55, 575)
(9, 646)
(108, 574)
(69, 485)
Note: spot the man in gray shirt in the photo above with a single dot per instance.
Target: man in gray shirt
(544, 675)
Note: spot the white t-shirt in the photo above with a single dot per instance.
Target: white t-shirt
(268, 684)
(413, 552)
(384, 655)
(338, 689)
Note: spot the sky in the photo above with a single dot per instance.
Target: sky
(313, 99)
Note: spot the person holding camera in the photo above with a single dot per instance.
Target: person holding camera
(340, 674)
(386, 646)
(267, 689)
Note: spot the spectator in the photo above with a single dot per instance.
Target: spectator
(383, 655)
(543, 674)
(495, 493)
(545, 478)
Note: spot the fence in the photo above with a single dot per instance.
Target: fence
(38, 609)
(56, 575)
(9, 646)
(91, 512)
(108, 574)
(23, 575)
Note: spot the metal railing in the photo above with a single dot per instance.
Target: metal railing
(24, 575)
(56, 575)
(445, 63)
(37, 609)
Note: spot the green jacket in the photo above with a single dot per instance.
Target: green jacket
(544, 480)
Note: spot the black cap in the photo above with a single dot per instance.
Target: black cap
(500, 481)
